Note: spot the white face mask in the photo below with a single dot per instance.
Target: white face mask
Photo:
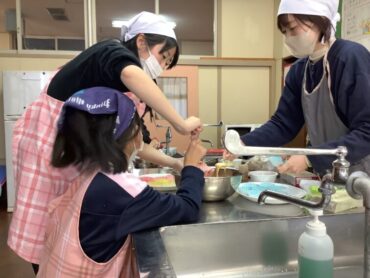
(151, 66)
(301, 45)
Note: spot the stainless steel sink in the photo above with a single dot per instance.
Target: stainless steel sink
(264, 248)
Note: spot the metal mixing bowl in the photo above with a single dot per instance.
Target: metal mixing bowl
(215, 188)
(221, 188)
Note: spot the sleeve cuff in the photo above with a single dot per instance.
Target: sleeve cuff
(192, 171)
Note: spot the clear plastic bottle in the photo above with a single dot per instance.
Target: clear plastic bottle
(315, 250)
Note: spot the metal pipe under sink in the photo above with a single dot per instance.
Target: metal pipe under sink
(358, 186)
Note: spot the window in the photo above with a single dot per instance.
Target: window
(180, 85)
(175, 89)
(108, 11)
(60, 24)
(39, 43)
(194, 21)
(55, 43)
(70, 44)
(53, 25)
(194, 24)
(8, 26)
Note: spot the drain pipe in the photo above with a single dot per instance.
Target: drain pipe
(358, 187)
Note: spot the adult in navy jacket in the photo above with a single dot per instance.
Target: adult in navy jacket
(327, 89)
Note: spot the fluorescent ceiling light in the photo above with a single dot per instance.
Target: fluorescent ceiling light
(119, 23)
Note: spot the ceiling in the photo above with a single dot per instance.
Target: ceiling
(194, 18)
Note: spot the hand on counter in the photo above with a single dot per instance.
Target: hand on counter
(294, 164)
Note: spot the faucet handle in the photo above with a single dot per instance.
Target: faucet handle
(168, 133)
(219, 124)
(340, 171)
(207, 141)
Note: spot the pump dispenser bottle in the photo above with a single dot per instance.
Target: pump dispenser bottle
(315, 250)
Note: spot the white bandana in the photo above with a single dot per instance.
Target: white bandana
(327, 8)
(146, 22)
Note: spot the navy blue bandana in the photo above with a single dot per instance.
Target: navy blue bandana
(102, 100)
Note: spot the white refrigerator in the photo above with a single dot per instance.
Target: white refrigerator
(20, 88)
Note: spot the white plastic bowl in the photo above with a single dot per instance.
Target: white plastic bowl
(261, 176)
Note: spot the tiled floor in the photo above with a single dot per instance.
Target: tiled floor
(11, 266)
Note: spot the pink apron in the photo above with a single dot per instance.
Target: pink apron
(63, 255)
(37, 183)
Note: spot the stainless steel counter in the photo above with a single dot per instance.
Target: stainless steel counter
(151, 252)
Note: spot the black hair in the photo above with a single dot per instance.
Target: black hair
(152, 40)
(321, 22)
(87, 141)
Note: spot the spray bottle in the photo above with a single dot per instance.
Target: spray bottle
(315, 250)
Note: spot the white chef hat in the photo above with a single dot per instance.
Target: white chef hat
(146, 22)
(327, 8)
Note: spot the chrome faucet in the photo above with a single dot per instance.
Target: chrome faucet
(326, 188)
(219, 124)
(338, 175)
(168, 138)
(207, 141)
(357, 184)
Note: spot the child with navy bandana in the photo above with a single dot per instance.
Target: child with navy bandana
(90, 225)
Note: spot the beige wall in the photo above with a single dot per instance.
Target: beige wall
(247, 28)
(239, 95)
(195, 47)
(235, 95)
(5, 41)
(208, 102)
(245, 95)
(278, 53)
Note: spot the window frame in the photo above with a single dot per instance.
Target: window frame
(215, 32)
(90, 33)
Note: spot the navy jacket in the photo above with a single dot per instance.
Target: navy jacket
(350, 86)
